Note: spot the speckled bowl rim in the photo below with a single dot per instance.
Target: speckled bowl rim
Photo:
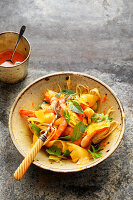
(82, 167)
(27, 57)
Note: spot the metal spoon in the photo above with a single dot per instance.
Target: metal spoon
(22, 30)
(42, 140)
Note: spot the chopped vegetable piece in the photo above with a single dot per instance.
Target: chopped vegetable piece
(78, 130)
(100, 117)
(78, 154)
(35, 129)
(27, 113)
(54, 150)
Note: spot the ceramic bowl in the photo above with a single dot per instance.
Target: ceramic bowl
(21, 135)
(18, 72)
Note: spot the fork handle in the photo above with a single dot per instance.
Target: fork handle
(19, 173)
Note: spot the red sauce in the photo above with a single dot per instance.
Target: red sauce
(6, 55)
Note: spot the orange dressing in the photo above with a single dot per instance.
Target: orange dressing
(6, 55)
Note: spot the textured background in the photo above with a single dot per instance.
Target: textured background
(90, 36)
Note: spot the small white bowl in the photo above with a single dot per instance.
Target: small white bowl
(20, 133)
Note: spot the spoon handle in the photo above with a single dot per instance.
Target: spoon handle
(22, 30)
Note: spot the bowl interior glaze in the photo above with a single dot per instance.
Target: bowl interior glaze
(33, 93)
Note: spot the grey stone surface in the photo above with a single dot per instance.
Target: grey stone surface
(94, 37)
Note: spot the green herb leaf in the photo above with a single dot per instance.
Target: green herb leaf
(66, 153)
(78, 130)
(95, 152)
(35, 129)
(54, 150)
(110, 119)
(101, 118)
(98, 117)
(95, 117)
(68, 92)
(74, 106)
(66, 138)
(66, 115)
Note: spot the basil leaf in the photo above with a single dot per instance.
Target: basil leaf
(66, 153)
(66, 138)
(35, 129)
(95, 152)
(67, 92)
(74, 106)
(54, 150)
(66, 115)
(110, 119)
(78, 130)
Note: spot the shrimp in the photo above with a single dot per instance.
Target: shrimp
(60, 129)
(68, 131)
(49, 94)
(62, 102)
(53, 102)
(86, 141)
